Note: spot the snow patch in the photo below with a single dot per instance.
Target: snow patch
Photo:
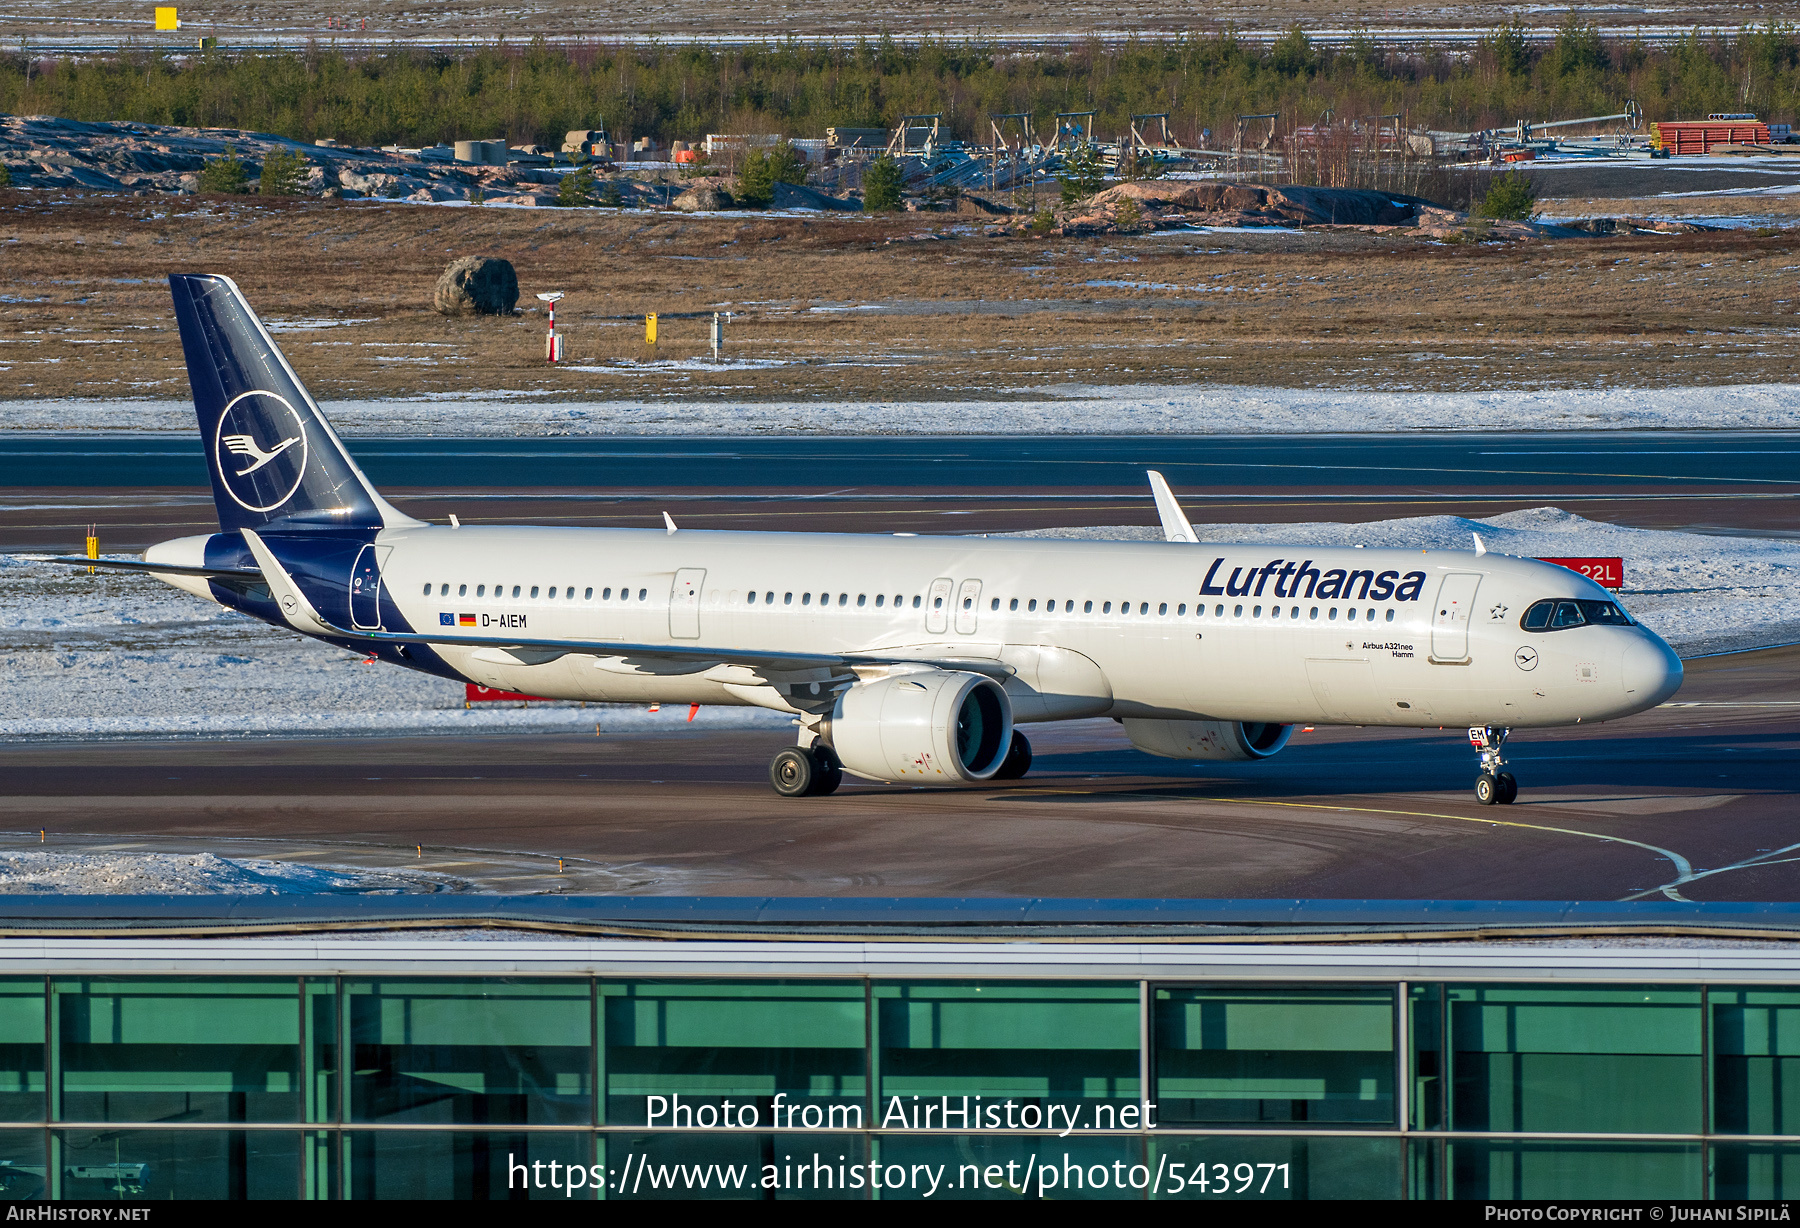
(200, 874)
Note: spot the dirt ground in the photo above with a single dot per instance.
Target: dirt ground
(913, 307)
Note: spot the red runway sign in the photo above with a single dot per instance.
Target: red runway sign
(1607, 573)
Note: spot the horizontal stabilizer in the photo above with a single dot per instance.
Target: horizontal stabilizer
(166, 569)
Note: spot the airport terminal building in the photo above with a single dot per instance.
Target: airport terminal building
(427, 1047)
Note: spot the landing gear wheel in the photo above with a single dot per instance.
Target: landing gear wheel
(1509, 788)
(802, 772)
(830, 771)
(1489, 790)
(1018, 759)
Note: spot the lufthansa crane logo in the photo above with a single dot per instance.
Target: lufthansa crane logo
(259, 449)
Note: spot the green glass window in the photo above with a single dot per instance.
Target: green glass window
(736, 1166)
(467, 1165)
(22, 1163)
(764, 1053)
(1497, 1169)
(488, 1051)
(192, 1050)
(1071, 1047)
(22, 1049)
(1426, 1026)
(1586, 1058)
(1755, 1170)
(1275, 1055)
(147, 1165)
(1756, 1061)
(1268, 1168)
(1007, 1168)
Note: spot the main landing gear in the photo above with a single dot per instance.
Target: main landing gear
(1017, 761)
(1495, 786)
(806, 771)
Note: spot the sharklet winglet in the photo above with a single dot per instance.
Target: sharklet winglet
(1174, 521)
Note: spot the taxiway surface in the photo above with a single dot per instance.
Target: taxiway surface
(1693, 800)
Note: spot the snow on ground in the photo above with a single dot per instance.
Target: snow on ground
(200, 874)
(125, 656)
(1066, 409)
(1699, 592)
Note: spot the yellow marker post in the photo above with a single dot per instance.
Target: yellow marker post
(168, 19)
(650, 329)
(93, 545)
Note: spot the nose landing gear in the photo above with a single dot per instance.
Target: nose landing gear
(1495, 786)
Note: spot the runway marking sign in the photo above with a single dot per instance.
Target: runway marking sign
(1607, 573)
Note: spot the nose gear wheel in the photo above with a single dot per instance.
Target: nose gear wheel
(1495, 786)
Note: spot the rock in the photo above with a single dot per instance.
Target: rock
(795, 196)
(703, 198)
(477, 285)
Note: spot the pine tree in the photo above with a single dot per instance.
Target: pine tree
(577, 188)
(881, 186)
(225, 174)
(1511, 197)
(283, 173)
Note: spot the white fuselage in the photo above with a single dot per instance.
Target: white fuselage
(1084, 628)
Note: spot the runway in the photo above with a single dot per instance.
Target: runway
(1694, 800)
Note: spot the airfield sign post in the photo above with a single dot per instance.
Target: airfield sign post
(552, 342)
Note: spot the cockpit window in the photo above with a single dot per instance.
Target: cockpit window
(1561, 615)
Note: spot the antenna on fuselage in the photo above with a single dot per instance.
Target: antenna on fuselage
(1174, 521)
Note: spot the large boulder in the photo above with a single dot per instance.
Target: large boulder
(477, 286)
(703, 198)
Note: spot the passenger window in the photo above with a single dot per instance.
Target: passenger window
(1031, 605)
(606, 594)
(552, 592)
(787, 599)
(1143, 607)
(750, 598)
(462, 590)
(1314, 613)
(968, 603)
(1369, 617)
(1294, 612)
(937, 603)
(1013, 604)
(1106, 607)
(1238, 612)
(1274, 611)
(428, 590)
(643, 594)
(915, 601)
(588, 595)
(1087, 607)
(1256, 613)
(516, 592)
(444, 591)
(862, 599)
(1333, 614)
(1069, 606)
(805, 598)
(995, 604)
(481, 590)
(1219, 611)
(1163, 608)
(1351, 614)
(880, 600)
(1390, 616)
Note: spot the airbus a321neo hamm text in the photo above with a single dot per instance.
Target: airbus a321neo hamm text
(901, 658)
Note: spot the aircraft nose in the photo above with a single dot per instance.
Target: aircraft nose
(1652, 672)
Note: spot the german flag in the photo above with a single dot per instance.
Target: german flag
(465, 620)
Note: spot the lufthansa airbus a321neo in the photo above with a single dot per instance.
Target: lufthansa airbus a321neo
(901, 658)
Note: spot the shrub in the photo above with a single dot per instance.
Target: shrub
(610, 196)
(1043, 222)
(283, 173)
(881, 186)
(225, 174)
(1510, 197)
(763, 169)
(1129, 216)
(577, 188)
(1082, 175)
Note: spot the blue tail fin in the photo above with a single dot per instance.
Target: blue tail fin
(272, 455)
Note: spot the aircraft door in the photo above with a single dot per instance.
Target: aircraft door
(968, 607)
(684, 603)
(1450, 617)
(937, 607)
(365, 590)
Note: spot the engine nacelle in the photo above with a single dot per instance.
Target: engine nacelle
(938, 725)
(1207, 739)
